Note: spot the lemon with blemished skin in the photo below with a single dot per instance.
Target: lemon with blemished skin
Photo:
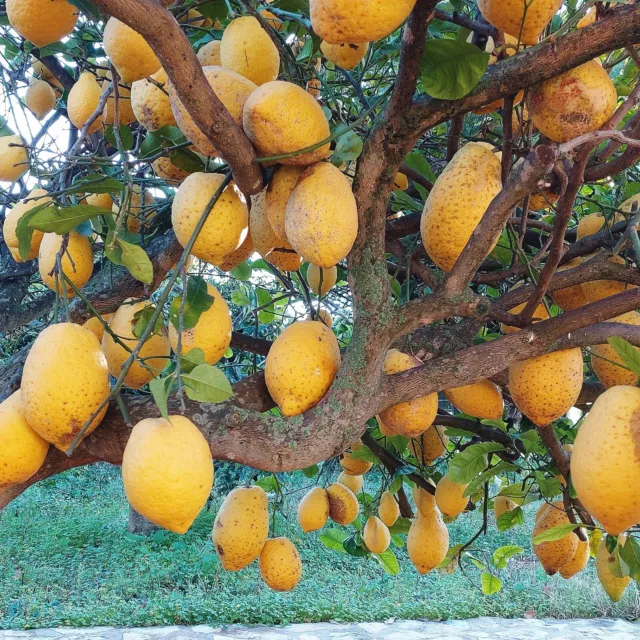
(232, 89)
(611, 583)
(553, 555)
(329, 279)
(542, 200)
(212, 333)
(280, 564)
(241, 527)
(579, 560)
(512, 17)
(546, 387)
(607, 364)
(282, 183)
(40, 98)
(594, 222)
(352, 466)
(449, 498)
(401, 182)
(95, 326)
(481, 400)
(573, 103)
(125, 108)
(598, 289)
(76, 262)
(167, 471)
(22, 450)
(343, 504)
(36, 198)
(345, 55)
(209, 54)
(42, 21)
(631, 203)
(313, 510)
(151, 104)
(588, 18)
(128, 51)
(338, 21)
(414, 417)
(458, 201)
(272, 20)
(301, 366)
(223, 230)
(425, 501)
(101, 200)
(388, 509)
(83, 101)
(502, 505)
(154, 353)
(429, 446)
(282, 118)
(427, 541)
(138, 214)
(165, 169)
(40, 70)
(354, 483)
(247, 49)
(605, 461)
(572, 297)
(321, 220)
(65, 380)
(237, 257)
(14, 160)
(540, 313)
(376, 535)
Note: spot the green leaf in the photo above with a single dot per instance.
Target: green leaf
(348, 148)
(395, 485)
(187, 161)
(532, 442)
(467, 464)
(364, 453)
(485, 476)
(401, 525)
(334, 539)
(549, 487)
(406, 201)
(136, 260)
(265, 315)
(161, 390)
(490, 584)
(629, 354)
(61, 220)
(268, 483)
(510, 519)
(126, 136)
(24, 232)
(451, 554)
(312, 471)
(197, 302)
(354, 547)
(240, 298)
(96, 183)
(207, 384)
(502, 555)
(419, 163)
(630, 554)
(451, 69)
(555, 533)
(242, 271)
(388, 561)
(192, 359)
(143, 317)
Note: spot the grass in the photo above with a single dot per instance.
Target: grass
(67, 560)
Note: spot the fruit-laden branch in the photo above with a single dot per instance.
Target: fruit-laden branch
(163, 33)
(621, 27)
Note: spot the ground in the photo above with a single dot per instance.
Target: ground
(67, 560)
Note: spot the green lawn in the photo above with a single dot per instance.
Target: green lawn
(66, 559)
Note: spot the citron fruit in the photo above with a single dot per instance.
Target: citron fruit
(539, 314)
(232, 89)
(272, 20)
(553, 555)
(388, 509)
(237, 257)
(150, 103)
(301, 366)
(572, 297)
(449, 497)
(125, 107)
(354, 483)
(594, 222)
(481, 400)
(128, 51)
(209, 54)
(606, 362)
(65, 380)
(520, 20)
(614, 585)
(42, 22)
(425, 501)
(137, 211)
(352, 466)
(223, 230)
(343, 504)
(502, 505)
(76, 262)
(241, 527)
(14, 160)
(247, 49)
(280, 564)
(588, 18)
(154, 353)
(546, 387)
(338, 21)
(430, 445)
(573, 103)
(345, 55)
(101, 200)
(313, 510)
(599, 289)
(36, 198)
(427, 542)
(543, 200)
(41, 71)
(605, 462)
(22, 450)
(212, 332)
(401, 182)
(376, 535)
(458, 201)
(167, 471)
(40, 98)
(83, 101)
(414, 417)
(165, 169)
(96, 327)
(315, 274)
(631, 205)
(579, 560)
(281, 118)
(322, 314)
(542, 508)
(282, 183)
